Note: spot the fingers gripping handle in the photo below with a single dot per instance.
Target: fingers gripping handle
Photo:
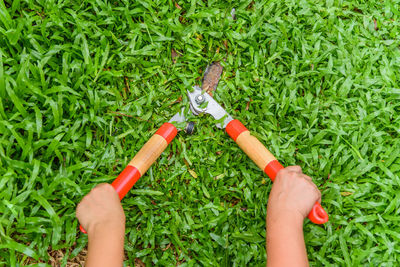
(142, 161)
(264, 159)
(317, 214)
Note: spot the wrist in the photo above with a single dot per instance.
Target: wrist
(106, 244)
(285, 217)
(103, 228)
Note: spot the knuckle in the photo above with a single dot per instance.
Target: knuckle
(283, 172)
(100, 188)
(106, 186)
(94, 189)
(317, 192)
(78, 209)
(296, 168)
(103, 185)
(84, 199)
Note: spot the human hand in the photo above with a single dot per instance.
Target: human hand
(101, 208)
(293, 194)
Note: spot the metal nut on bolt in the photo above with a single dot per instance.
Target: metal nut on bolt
(200, 99)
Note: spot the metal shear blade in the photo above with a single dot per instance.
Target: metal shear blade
(179, 116)
(197, 98)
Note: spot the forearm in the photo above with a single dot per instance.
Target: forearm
(285, 241)
(106, 247)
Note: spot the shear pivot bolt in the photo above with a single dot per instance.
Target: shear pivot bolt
(200, 99)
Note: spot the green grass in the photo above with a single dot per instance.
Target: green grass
(316, 81)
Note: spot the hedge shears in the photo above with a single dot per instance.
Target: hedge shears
(201, 101)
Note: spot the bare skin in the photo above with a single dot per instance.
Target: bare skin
(100, 213)
(292, 197)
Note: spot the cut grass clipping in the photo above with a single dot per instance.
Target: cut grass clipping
(84, 84)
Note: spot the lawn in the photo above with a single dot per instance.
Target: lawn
(84, 84)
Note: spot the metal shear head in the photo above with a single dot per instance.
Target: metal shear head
(197, 98)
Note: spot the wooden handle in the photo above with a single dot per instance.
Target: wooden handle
(146, 156)
(149, 153)
(253, 148)
(264, 159)
(142, 161)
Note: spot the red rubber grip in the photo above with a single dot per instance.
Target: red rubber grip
(168, 131)
(318, 215)
(125, 180)
(272, 169)
(235, 128)
(82, 230)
